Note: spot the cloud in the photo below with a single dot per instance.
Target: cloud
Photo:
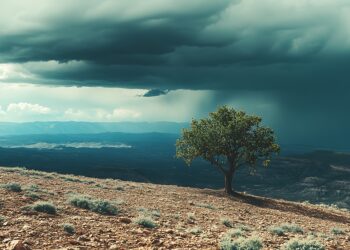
(118, 114)
(169, 44)
(26, 108)
(155, 92)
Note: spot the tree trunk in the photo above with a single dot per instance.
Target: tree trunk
(228, 183)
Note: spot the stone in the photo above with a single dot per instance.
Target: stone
(18, 245)
(125, 220)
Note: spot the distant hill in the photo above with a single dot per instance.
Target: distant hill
(8, 128)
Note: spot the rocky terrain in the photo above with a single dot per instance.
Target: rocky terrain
(40, 210)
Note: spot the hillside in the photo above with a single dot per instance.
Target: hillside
(184, 218)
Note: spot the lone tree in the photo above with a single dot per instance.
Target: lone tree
(228, 139)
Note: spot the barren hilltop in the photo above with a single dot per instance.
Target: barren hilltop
(42, 210)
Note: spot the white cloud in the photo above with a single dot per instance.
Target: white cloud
(24, 107)
(119, 114)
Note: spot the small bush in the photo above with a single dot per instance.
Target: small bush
(292, 228)
(337, 231)
(80, 201)
(252, 243)
(44, 207)
(209, 206)
(226, 222)
(235, 232)
(32, 195)
(195, 231)
(191, 216)
(2, 220)
(33, 188)
(120, 188)
(104, 207)
(69, 228)
(306, 244)
(14, 187)
(145, 222)
(276, 230)
(99, 206)
(243, 227)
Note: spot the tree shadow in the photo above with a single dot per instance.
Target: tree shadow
(283, 206)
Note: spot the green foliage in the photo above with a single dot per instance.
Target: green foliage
(237, 232)
(69, 228)
(303, 244)
(104, 207)
(276, 230)
(80, 201)
(292, 228)
(2, 220)
(252, 243)
(337, 231)
(209, 206)
(14, 187)
(145, 221)
(195, 231)
(32, 195)
(98, 206)
(44, 207)
(227, 139)
(226, 222)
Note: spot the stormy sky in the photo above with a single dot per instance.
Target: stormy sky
(100, 60)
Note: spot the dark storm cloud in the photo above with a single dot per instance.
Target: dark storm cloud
(172, 44)
(156, 92)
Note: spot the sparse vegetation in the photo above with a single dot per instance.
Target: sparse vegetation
(2, 220)
(69, 228)
(237, 232)
(32, 195)
(226, 222)
(191, 216)
(292, 228)
(195, 231)
(145, 221)
(209, 206)
(303, 244)
(44, 207)
(276, 230)
(99, 206)
(252, 243)
(14, 187)
(337, 231)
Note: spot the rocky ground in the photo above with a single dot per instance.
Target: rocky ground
(184, 218)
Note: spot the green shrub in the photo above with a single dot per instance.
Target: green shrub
(292, 228)
(33, 188)
(252, 243)
(209, 206)
(44, 207)
(337, 231)
(14, 187)
(191, 216)
(2, 220)
(303, 244)
(98, 206)
(276, 230)
(235, 232)
(226, 222)
(32, 195)
(104, 207)
(145, 222)
(69, 228)
(195, 231)
(243, 227)
(80, 201)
